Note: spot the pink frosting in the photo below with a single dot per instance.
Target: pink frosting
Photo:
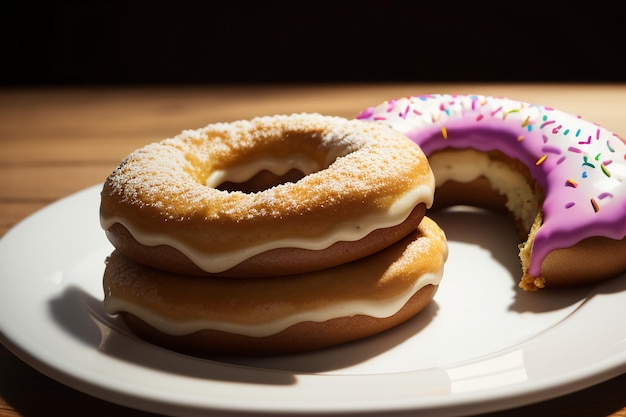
(580, 165)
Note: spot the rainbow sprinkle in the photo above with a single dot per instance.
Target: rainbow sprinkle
(594, 204)
(541, 160)
(571, 183)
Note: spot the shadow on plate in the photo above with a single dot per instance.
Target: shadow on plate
(83, 316)
(496, 234)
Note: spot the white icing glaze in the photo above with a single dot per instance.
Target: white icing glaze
(374, 308)
(351, 231)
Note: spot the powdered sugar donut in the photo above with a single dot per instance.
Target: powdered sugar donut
(562, 177)
(358, 188)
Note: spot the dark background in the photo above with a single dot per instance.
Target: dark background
(208, 42)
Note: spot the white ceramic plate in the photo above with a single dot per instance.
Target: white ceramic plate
(481, 345)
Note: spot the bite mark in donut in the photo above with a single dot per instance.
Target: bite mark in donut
(277, 315)
(163, 205)
(577, 231)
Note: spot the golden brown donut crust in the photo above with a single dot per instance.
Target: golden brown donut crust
(591, 260)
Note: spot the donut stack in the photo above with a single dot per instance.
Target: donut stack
(274, 235)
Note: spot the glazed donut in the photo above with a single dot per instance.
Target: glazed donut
(561, 177)
(343, 189)
(278, 315)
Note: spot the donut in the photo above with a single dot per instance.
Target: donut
(561, 177)
(283, 314)
(274, 195)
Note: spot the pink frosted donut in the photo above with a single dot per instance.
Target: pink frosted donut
(569, 195)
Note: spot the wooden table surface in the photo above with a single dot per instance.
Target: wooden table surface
(56, 141)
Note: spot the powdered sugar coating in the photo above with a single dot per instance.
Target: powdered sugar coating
(366, 177)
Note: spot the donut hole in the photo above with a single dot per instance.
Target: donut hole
(262, 180)
(259, 172)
